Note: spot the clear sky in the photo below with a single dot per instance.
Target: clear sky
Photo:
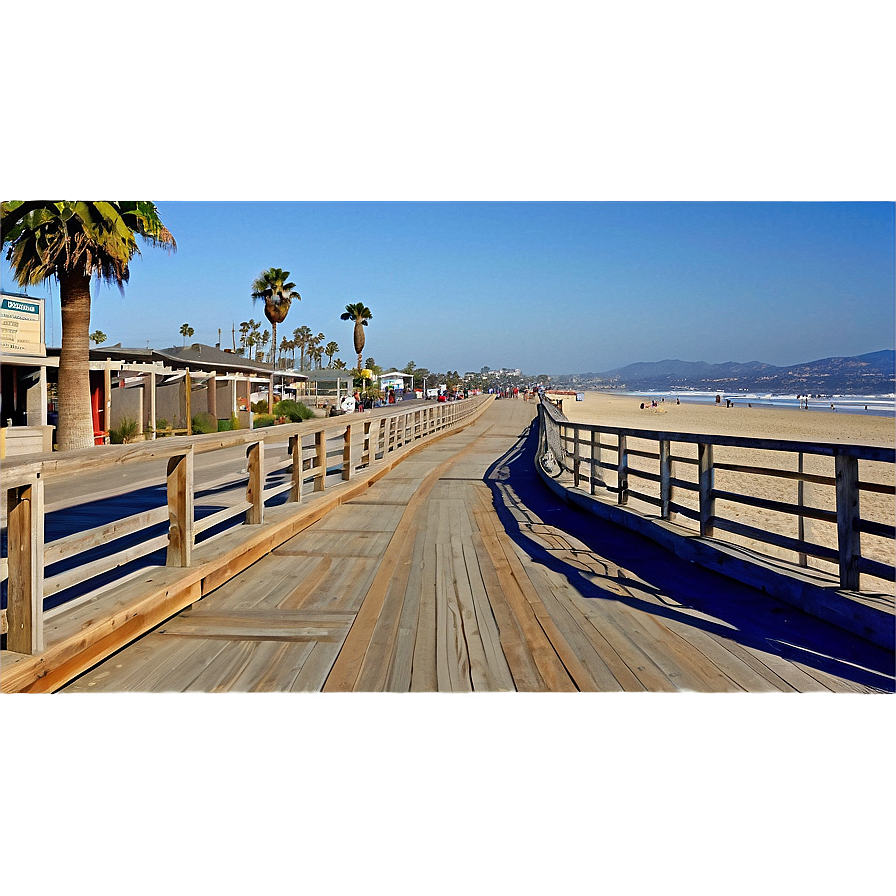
(579, 112)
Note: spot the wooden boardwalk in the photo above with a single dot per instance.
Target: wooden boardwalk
(459, 571)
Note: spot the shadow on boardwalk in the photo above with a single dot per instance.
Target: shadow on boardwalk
(738, 612)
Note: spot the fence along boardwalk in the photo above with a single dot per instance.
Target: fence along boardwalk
(459, 571)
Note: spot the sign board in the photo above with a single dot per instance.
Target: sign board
(22, 326)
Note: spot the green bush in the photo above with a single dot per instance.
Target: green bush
(261, 420)
(259, 407)
(125, 432)
(294, 411)
(204, 422)
(225, 425)
(161, 424)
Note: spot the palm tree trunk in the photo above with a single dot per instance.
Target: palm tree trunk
(273, 367)
(75, 426)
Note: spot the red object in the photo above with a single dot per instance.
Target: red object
(95, 401)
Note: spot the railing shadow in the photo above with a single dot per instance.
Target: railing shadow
(745, 615)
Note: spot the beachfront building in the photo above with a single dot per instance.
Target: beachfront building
(24, 410)
(325, 387)
(397, 382)
(187, 380)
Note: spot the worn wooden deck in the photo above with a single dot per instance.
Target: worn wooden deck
(459, 571)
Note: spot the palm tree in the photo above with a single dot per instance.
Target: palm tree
(339, 364)
(302, 336)
(360, 314)
(284, 346)
(98, 336)
(244, 335)
(185, 331)
(329, 351)
(73, 241)
(272, 285)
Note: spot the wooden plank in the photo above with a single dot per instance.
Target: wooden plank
(514, 646)
(377, 661)
(551, 670)
(255, 485)
(452, 663)
(706, 487)
(274, 673)
(67, 579)
(336, 544)
(266, 624)
(296, 464)
(348, 664)
(848, 536)
(316, 668)
(480, 673)
(130, 669)
(60, 548)
(424, 677)
(180, 510)
(253, 666)
(628, 668)
(591, 671)
(25, 568)
(398, 678)
(220, 516)
(499, 676)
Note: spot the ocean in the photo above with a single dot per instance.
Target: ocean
(877, 405)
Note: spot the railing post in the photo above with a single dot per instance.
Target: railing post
(706, 484)
(575, 455)
(180, 509)
(295, 449)
(665, 478)
(622, 472)
(25, 555)
(347, 453)
(255, 486)
(848, 545)
(595, 443)
(320, 460)
(802, 557)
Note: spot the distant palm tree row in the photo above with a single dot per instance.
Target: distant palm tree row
(311, 349)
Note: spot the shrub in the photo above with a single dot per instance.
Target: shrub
(125, 432)
(260, 407)
(294, 411)
(161, 424)
(204, 422)
(261, 420)
(225, 425)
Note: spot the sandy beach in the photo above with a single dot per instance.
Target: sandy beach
(613, 409)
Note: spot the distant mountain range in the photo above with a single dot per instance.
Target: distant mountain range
(869, 374)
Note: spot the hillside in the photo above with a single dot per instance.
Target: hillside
(868, 374)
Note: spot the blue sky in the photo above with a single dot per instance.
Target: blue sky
(430, 125)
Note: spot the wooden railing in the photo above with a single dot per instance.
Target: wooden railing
(675, 475)
(321, 453)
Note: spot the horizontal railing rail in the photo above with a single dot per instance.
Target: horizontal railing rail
(320, 454)
(676, 473)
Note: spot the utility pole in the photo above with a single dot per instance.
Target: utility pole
(233, 333)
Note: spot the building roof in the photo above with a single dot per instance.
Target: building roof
(327, 375)
(208, 357)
